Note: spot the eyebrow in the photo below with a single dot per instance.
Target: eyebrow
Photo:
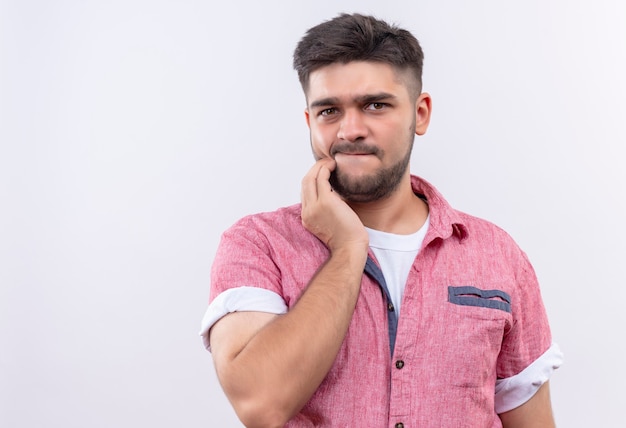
(361, 99)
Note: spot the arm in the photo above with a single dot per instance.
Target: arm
(270, 365)
(535, 413)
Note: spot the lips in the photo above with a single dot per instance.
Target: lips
(353, 153)
(354, 149)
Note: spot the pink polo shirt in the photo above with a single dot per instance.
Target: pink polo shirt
(472, 321)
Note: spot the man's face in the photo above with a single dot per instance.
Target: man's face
(362, 115)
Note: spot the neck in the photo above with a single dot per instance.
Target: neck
(402, 212)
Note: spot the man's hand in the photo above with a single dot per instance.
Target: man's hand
(325, 214)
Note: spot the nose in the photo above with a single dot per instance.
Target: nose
(352, 126)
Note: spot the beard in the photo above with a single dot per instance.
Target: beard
(373, 187)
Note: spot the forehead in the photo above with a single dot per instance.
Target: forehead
(356, 79)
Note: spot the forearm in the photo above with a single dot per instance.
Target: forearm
(535, 413)
(282, 365)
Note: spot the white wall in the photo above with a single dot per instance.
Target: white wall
(132, 133)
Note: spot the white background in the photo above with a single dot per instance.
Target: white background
(134, 132)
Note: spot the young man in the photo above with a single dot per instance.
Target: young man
(373, 303)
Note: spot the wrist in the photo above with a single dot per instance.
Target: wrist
(351, 253)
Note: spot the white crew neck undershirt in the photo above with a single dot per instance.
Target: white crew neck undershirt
(395, 255)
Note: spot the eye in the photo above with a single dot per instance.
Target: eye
(328, 111)
(375, 106)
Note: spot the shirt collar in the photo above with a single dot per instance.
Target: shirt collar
(445, 221)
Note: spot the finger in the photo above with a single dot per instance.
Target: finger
(309, 185)
(323, 185)
(311, 181)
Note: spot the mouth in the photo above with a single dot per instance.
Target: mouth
(353, 150)
(354, 159)
(354, 154)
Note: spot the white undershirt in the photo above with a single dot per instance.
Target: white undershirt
(395, 255)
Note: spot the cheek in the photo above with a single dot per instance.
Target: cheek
(320, 143)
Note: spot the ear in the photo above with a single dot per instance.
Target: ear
(423, 108)
(307, 118)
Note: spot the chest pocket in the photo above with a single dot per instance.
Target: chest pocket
(476, 323)
(472, 296)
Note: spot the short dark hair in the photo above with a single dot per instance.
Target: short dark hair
(356, 37)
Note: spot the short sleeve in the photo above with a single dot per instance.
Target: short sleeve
(244, 276)
(514, 391)
(243, 259)
(529, 336)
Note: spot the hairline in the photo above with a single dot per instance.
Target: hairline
(403, 75)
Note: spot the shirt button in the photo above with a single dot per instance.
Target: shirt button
(399, 365)
(390, 307)
(399, 425)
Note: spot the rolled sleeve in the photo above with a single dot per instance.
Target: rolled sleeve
(514, 391)
(240, 299)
